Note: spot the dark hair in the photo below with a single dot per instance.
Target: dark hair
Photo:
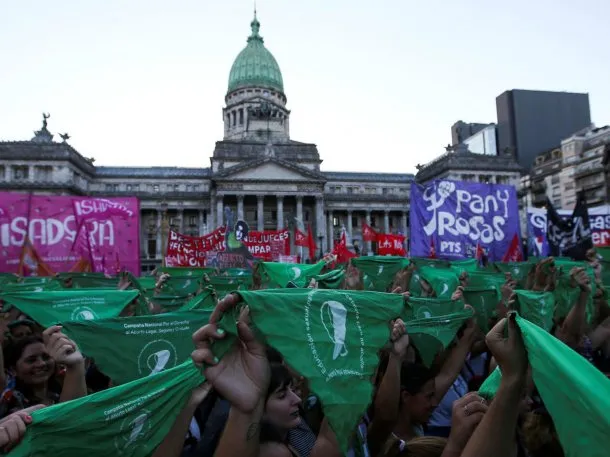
(280, 379)
(15, 348)
(96, 380)
(274, 356)
(13, 352)
(540, 436)
(244, 228)
(413, 377)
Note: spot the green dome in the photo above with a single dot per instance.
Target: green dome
(255, 65)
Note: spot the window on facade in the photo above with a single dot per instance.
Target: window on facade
(176, 187)
(152, 248)
(241, 116)
(350, 190)
(192, 220)
(195, 187)
(112, 187)
(335, 221)
(20, 173)
(355, 220)
(385, 191)
(155, 187)
(373, 221)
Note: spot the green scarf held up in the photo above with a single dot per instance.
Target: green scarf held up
(129, 348)
(331, 280)
(432, 324)
(378, 272)
(536, 307)
(331, 337)
(519, 271)
(466, 265)
(276, 274)
(444, 281)
(574, 392)
(31, 286)
(127, 421)
(89, 280)
(205, 300)
(485, 301)
(56, 307)
(566, 296)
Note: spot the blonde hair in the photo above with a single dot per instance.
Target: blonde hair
(423, 446)
(540, 437)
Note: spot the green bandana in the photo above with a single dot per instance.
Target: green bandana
(130, 348)
(536, 307)
(433, 323)
(332, 338)
(485, 301)
(466, 265)
(280, 274)
(50, 308)
(378, 272)
(570, 388)
(444, 281)
(331, 280)
(518, 270)
(128, 421)
(204, 300)
(89, 280)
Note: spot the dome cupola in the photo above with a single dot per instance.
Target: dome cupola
(255, 66)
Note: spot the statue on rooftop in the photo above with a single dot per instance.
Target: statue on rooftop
(44, 119)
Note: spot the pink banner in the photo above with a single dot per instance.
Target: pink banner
(114, 242)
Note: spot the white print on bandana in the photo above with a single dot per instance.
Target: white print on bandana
(83, 313)
(156, 356)
(343, 328)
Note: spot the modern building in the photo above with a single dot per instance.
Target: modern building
(461, 164)
(578, 165)
(532, 122)
(269, 179)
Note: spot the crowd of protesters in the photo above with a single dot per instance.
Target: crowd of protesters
(254, 404)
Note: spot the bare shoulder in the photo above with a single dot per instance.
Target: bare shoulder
(271, 449)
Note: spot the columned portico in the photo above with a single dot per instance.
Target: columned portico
(300, 211)
(331, 238)
(240, 207)
(369, 248)
(320, 231)
(280, 211)
(260, 213)
(349, 226)
(219, 210)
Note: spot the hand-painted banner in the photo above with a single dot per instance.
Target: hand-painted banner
(390, 244)
(49, 222)
(599, 220)
(268, 245)
(454, 217)
(190, 251)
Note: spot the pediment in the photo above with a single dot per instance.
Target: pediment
(269, 170)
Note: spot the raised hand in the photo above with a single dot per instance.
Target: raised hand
(399, 339)
(458, 294)
(466, 414)
(13, 427)
(579, 278)
(242, 376)
(61, 348)
(509, 352)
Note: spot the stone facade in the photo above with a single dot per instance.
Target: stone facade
(271, 186)
(459, 164)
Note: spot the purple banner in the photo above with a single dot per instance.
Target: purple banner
(449, 219)
(537, 244)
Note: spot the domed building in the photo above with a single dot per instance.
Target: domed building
(270, 180)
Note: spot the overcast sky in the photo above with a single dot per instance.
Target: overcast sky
(376, 85)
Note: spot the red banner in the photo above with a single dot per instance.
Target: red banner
(300, 239)
(390, 244)
(269, 245)
(368, 234)
(190, 251)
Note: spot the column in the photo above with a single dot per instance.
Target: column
(201, 229)
(181, 216)
(386, 221)
(31, 171)
(331, 237)
(349, 226)
(280, 211)
(404, 223)
(159, 235)
(300, 220)
(320, 224)
(260, 213)
(212, 217)
(219, 210)
(240, 207)
(369, 247)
